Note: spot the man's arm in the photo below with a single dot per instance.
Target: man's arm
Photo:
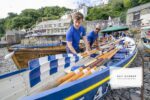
(86, 43)
(69, 44)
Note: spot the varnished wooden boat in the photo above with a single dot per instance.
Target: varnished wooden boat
(38, 45)
(23, 54)
(40, 80)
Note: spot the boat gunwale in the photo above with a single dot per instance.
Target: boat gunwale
(70, 84)
(13, 73)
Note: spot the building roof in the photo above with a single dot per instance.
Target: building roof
(43, 35)
(146, 28)
(115, 28)
(13, 32)
(54, 21)
(138, 8)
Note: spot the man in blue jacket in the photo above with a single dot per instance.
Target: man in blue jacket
(74, 33)
(93, 36)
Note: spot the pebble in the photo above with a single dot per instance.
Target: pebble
(134, 97)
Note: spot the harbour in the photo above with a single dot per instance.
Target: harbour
(55, 53)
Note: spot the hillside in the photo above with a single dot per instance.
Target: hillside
(29, 17)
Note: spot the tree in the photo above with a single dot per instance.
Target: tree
(11, 15)
(134, 3)
(29, 17)
(127, 3)
(104, 12)
(123, 16)
(32, 13)
(143, 1)
(53, 12)
(2, 30)
(117, 5)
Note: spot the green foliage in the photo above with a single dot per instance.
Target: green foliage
(127, 3)
(29, 17)
(11, 15)
(123, 16)
(51, 13)
(134, 3)
(2, 30)
(117, 5)
(143, 1)
(101, 13)
(116, 8)
(22, 22)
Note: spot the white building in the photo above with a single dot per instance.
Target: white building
(134, 14)
(145, 20)
(52, 27)
(82, 9)
(14, 36)
(104, 2)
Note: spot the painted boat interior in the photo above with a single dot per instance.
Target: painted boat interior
(41, 76)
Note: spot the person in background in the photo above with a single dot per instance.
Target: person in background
(93, 36)
(124, 34)
(74, 33)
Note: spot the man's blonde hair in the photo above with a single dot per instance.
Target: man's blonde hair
(78, 16)
(98, 26)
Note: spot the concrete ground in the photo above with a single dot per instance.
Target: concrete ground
(135, 93)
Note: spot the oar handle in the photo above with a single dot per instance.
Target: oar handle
(10, 54)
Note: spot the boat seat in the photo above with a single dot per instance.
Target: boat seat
(124, 50)
(93, 55)
(145, 40)
(112, 62)
(118, 56)
(74, 68)
(121, 42)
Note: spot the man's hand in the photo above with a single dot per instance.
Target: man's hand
(98, 48)
(88, 52)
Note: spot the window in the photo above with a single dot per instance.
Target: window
(136, 23)
(50, 25)
(136, 15)
(59, 24)
(54, 25)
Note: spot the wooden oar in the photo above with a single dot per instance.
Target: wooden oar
(101, 59)
(9, 55)
(73, 76)
(91, 52)
(97, 63)
(92, 70)
(68, 76)
(76, 76)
